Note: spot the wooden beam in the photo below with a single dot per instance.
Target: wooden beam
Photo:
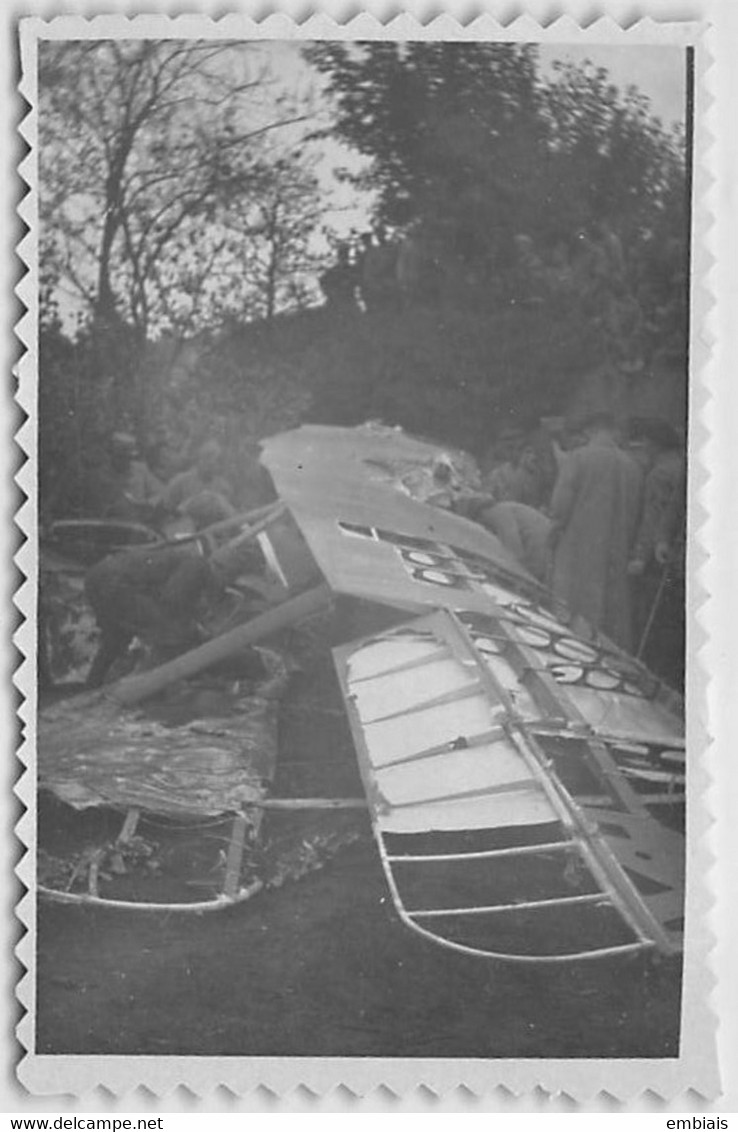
(235, 857)
(129, 827)
(256, 528)
(253, 516)
(135, 689)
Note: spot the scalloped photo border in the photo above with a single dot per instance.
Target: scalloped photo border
(696, 1067)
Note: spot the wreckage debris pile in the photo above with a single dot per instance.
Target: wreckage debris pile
(93, 753)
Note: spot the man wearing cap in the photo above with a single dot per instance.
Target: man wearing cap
(130, 490)
(663, 487)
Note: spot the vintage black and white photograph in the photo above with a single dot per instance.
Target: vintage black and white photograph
(363, 377)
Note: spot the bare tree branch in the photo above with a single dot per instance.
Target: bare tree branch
(158, 150)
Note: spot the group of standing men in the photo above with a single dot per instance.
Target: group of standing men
(616, 523)
(608, 537)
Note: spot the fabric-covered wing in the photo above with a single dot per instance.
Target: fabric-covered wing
(506, 826)
(370, 538)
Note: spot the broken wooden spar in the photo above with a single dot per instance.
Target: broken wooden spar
(135, 689)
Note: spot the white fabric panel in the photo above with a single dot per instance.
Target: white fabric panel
(432, 727)
(377, 657)
(453, 772)
(613, 713)
(493, 812)
(390, 695)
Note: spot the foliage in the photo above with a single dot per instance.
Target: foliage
(179, 203)
(470, 148)
(449, 374)
(175, 196)
(441, 122)
(611, 158)
(76, 413)
(264, 257)
(453, 375)
(467, 139)
(157, 171)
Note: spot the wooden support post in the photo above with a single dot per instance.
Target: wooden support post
(94, 871)
(235, 857)
(129, 827)
(256, 528)
(256, 515)
(253, 516)
(134, 689)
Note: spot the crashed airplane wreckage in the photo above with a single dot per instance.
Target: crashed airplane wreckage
(525, 783)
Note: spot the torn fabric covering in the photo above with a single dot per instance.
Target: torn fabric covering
(101, 755)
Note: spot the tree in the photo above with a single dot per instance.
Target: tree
(260, 257)
(469, 148)
(141, 143)
(288, 212)
(447, 126)
(174, 197)
(607, 155)
(469, 139)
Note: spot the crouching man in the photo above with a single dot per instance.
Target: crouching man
(523, 531)
(156, 595)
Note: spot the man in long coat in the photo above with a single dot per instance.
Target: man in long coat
(127, 489)
(657, 559)
(594, 511)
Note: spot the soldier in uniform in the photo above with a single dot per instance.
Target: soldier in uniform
(594, 511)
(657, 560)
(129, 490)
(156, 595)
